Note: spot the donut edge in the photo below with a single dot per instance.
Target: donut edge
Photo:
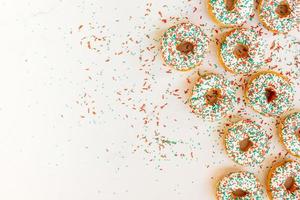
(280, 134)
(219, 54)
(270, 176)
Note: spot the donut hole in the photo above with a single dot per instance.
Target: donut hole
(283, 10)
(241, 51)
(213, 96)
(245, 144)
(290, 185)
(298, 133)
(185, 47)
(239, 193)
(271, 95)
(230, 4)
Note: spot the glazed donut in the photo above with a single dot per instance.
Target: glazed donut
(279, 16)
(183, 46)
(230, 12)
(240, 185)
(213, 97)
(241, 51)
(283, 182)
(246, 142)
(269, 93)
(289, 133)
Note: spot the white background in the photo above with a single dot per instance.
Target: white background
(103, 119)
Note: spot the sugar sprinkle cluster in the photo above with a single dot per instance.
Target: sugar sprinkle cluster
(135, 105)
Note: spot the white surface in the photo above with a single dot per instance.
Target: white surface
(52, 148)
